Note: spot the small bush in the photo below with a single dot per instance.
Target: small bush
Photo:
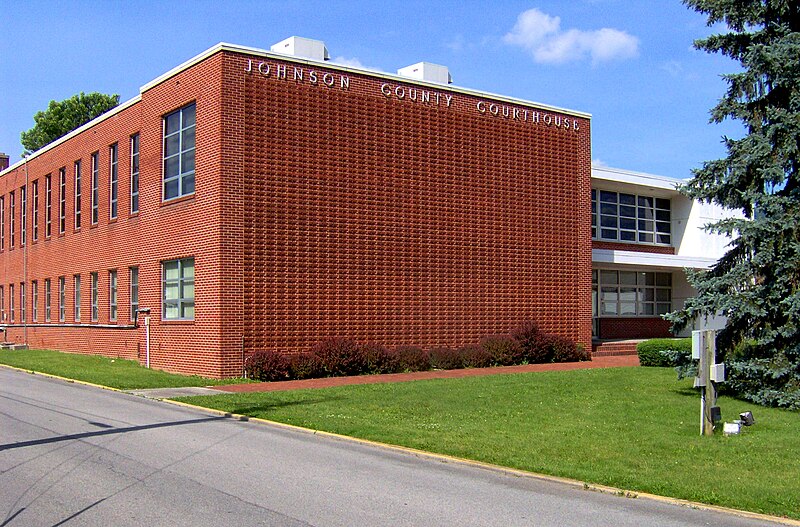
(340, 357)
(565, 350)
(475, 356)
(504, 349)
(413, 358)
(267, 365)
(380, 359)
(446, 358)
(664, 352)
(305, 366)
(536, 345)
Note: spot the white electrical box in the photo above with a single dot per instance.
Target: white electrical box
(697, 344)
(717, 372)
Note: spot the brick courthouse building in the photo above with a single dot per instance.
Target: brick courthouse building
(262, 200)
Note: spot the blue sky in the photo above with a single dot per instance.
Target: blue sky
(629, 63)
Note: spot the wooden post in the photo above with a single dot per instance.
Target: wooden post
(710, 388)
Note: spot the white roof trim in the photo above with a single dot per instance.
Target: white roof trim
(222, 46)
(649, 260)
(96, 120)
(617, 175)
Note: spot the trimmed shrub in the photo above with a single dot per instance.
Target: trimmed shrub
(446, 358)
(305, 365)
(340, 357)
(536, 345)
(413, 358)
(664, 352)
(504, 349)
(267, 365)
(475, 356)
(380, 359)
(565, 350)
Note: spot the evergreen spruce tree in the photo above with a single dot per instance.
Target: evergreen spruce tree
(756, 285)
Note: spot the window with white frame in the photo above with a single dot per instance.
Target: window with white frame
(62, 200)
(632, 293)
(36, 210)
(47, 304)
(179, 150)
(112, 295)
(113, 182)
(62, 298)
(134, 173)
(77, 205)
(2, 305)
(48, 212)
(22, 302)
(35, 300)
(11, 311)
(178, 289)
(95, 293)
(617, 216)
(133, 278)
(77, 292)
(23, 214)
(95, 188)
(11, 217)
(2, 222)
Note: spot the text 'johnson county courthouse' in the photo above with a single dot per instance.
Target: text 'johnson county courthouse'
(268, 200)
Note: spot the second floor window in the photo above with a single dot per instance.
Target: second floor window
(179, 143)
(77, 194)
(134, 173)
(113, 182)
(617, 216)
(95, 187)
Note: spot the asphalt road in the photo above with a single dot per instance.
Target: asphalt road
(76, 455)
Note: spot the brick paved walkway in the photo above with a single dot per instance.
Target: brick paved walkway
(597, 362)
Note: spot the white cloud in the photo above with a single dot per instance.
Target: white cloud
(541, 35)
(599, 163)
(353, 63)
(673, 67)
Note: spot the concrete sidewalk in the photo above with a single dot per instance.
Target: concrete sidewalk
(327, 382)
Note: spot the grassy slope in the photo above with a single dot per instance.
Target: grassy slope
(116, 373)
(633, 428)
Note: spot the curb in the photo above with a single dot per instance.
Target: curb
(443, 458)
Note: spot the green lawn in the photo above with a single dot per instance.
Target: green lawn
(632, 428)
(116, 373)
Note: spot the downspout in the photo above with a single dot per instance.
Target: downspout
(25, 256)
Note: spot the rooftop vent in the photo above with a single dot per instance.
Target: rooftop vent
(426, 71)
(302, 47)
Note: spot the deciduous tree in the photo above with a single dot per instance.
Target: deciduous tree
(60, 118)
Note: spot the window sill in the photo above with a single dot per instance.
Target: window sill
(180, 199)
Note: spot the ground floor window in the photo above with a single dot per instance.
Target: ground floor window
(630, 293)
(178, 289)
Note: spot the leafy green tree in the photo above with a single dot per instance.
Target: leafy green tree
(756, 285)
(61, 118)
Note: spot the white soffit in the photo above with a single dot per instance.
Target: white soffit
(649, 260)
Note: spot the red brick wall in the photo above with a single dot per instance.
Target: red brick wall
(633, 328)
(318, 212)
(399, 222)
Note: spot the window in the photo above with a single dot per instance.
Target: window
(95, 306)
(62, 200)
(77, 194)
(633, 294)
(630, 218)
(47, 300)
(48, 214)
(134, 293)
(178, 290)
(134, 173)
(11, 205)
(35, 301)
(22, 302)
(2, 222)
(179, 143)
(113, 182)
(2, 305)
(95, 187)
(36, 210)
(62, 298)
(11, 302)
(77, 291)
(112, 295)
(23, 213)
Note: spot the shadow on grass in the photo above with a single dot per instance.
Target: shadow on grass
(264, 407)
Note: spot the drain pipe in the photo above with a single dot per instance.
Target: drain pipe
(146, 311)
(25, 254)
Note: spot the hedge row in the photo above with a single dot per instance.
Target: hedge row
(663, 352)
(341, 356)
